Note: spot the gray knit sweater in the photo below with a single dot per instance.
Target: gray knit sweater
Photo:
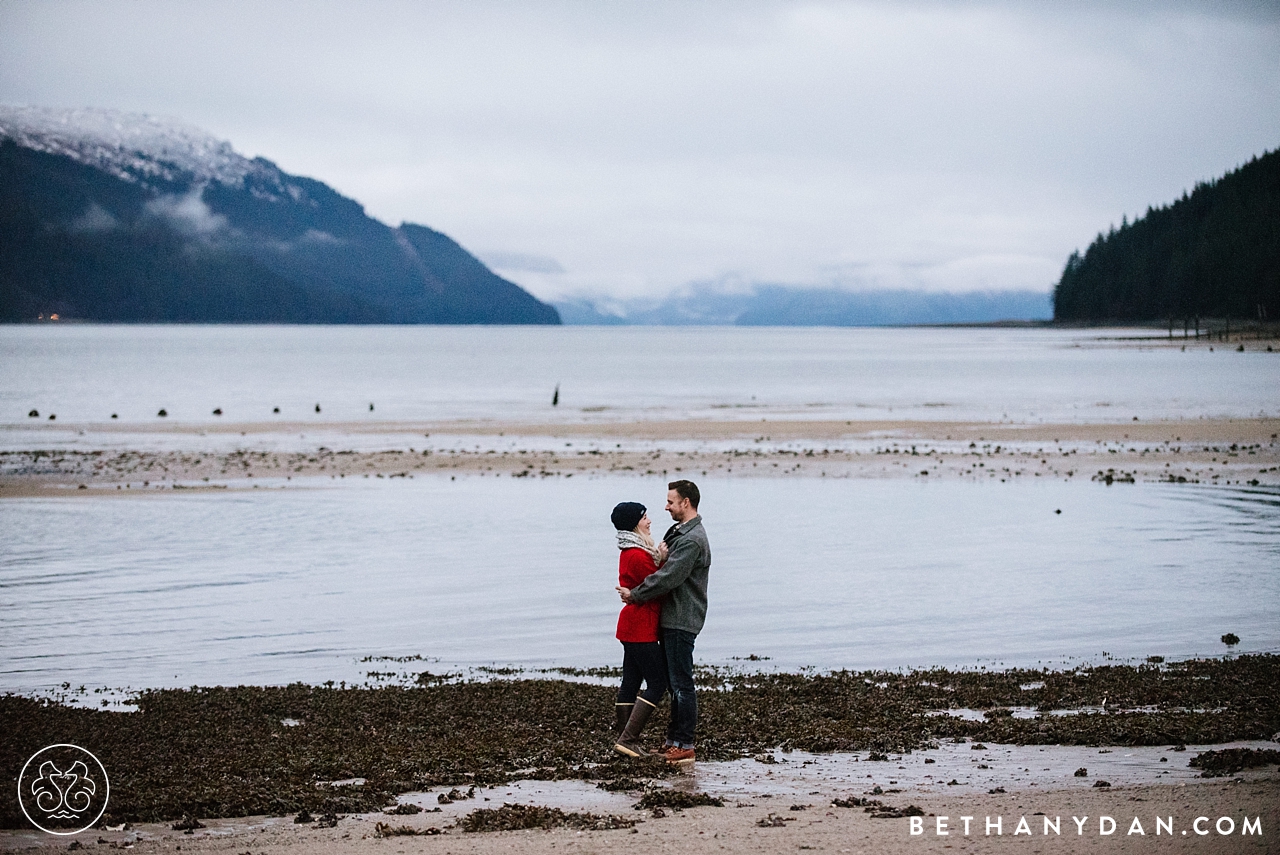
(683, 578)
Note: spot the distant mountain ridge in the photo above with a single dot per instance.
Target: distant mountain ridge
(781, 305)
(120, 217)
(1213, 253)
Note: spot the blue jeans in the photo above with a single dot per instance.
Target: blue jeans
(677, 644)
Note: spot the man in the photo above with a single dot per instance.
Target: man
(683, 579)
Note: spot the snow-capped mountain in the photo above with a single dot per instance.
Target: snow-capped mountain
(120, 216)
(130, 146)
(134, 147)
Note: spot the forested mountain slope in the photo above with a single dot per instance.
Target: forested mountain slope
(118, 217)
(1213, 253)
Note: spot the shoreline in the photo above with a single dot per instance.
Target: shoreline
(91, 460)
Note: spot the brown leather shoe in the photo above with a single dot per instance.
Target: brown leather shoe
(679, 756)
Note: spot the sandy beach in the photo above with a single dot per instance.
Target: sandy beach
(1217, 451)
(1195, 817)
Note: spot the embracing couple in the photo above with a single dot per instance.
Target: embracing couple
(664, 588)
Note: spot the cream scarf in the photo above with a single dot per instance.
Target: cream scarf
(636, 540)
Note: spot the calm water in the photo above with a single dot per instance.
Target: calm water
(86, 373)
(275, 586)
(272, 586)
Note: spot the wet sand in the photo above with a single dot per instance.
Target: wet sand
(1076, 818)
(1221, 451)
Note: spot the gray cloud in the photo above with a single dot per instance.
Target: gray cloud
(188, 213)
(647, 145)
(95, 219)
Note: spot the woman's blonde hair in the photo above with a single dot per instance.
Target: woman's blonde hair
(648, 539)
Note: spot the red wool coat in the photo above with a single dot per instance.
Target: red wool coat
(637, 622)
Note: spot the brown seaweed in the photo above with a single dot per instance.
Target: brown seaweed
(224, 752)
(511, 817)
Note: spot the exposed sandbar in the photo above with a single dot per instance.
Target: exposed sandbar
(1223, 451)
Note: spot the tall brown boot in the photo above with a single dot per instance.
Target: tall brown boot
(629, 742)
(623, 713)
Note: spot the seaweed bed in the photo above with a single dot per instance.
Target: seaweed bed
(1220, 764)
(515, 817)
(224, 752)
(675, 799)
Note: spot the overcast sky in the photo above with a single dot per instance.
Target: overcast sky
(633, 148)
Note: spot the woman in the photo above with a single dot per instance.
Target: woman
(642, 657)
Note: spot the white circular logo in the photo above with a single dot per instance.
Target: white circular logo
(63, 789)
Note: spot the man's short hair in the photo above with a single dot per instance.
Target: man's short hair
(686, 490)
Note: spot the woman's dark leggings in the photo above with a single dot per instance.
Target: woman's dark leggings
(642, 660)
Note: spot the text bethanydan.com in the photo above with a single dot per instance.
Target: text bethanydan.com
(1158, 826)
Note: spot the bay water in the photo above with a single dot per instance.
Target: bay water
(334, 580)
(330, 583)
(83, 374)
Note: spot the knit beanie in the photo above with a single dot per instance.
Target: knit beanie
(627, 515)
